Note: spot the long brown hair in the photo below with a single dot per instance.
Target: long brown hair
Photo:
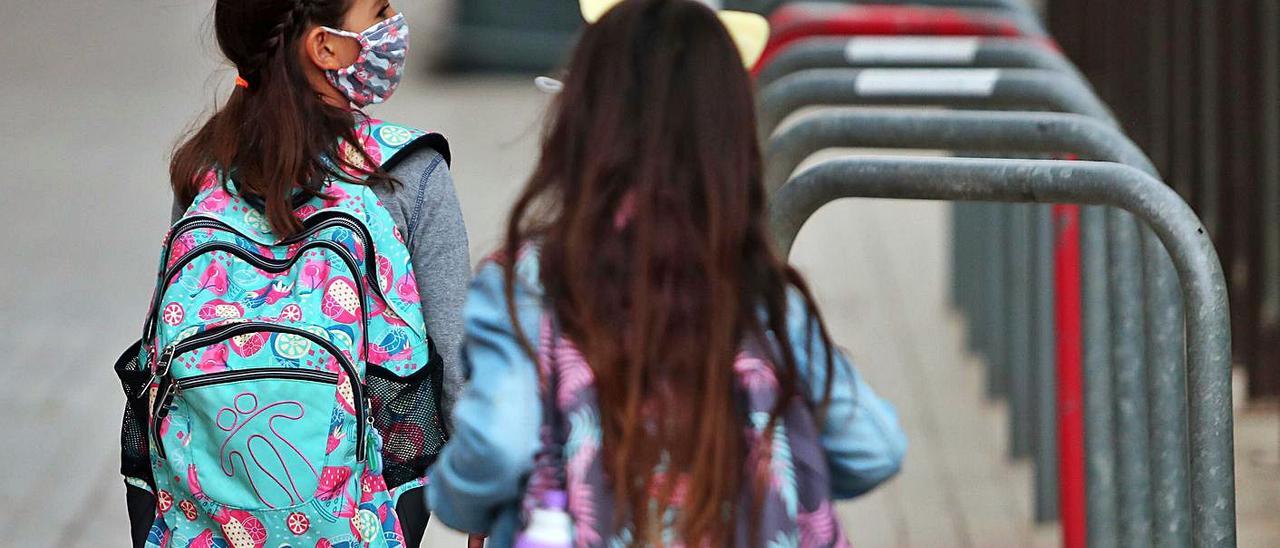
(275, 137)
(649, 209)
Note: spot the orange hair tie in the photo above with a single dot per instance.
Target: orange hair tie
(241, 82)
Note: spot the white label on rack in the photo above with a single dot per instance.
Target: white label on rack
(911, 49)
(928, 82)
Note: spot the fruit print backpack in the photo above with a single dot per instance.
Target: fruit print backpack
(797, 509)
(284, 390)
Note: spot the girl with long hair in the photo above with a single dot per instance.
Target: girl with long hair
(639, 324)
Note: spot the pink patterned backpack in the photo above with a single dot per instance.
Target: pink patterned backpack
(797, 510)
(284, 389)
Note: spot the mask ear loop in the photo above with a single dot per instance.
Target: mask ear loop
(547, 84)
(344, 33)
(359, 36)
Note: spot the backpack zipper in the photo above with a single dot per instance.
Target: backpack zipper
(269, 265)
(170, 387)
(327, 219)
(315, 223)
(175, 387)
(226, 377)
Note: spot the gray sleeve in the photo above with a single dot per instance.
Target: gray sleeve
(427, 207)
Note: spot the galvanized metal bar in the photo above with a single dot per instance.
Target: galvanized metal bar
(1018, 280)
(967, 269)
(1127, 361)
(995, 322)
(1171, 508)
(960, 218)
(1044, 367)
(1043, 181)
(977, 131)
(1103, 510)
(962, 253)
(914, 52)
(990, 89)
(971, 287)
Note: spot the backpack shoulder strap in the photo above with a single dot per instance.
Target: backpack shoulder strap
(396, 142)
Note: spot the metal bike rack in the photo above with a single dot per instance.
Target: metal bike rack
(1125, 353)
(913, 52)
(1198, 83)
(1019, 350)
(1163, 404)
(1027, 133)
(870, 50)
(1005, 314)
(1045, 181)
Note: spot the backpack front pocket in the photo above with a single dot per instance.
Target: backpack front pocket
(258, 438)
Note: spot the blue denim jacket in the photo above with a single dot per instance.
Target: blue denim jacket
(478, 481)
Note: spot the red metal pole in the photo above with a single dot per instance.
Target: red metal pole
(794, 23)
(1071, 467)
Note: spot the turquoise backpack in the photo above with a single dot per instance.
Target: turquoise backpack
(284, 391)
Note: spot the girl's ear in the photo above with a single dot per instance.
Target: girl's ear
(322, 49)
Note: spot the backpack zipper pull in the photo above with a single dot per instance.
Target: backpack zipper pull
(163, 364)
(361, 450)
(163, 399)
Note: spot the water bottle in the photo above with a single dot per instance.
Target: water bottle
(550, 525)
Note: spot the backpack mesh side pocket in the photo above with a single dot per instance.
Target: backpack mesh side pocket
(135, 451)
(407, 413)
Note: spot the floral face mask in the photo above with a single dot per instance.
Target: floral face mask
(376, 73)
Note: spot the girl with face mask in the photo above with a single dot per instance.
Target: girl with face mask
(292, 133)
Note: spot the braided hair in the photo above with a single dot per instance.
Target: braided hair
(274, 137)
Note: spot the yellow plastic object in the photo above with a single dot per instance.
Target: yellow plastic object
(593, 10)
(750, 31)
